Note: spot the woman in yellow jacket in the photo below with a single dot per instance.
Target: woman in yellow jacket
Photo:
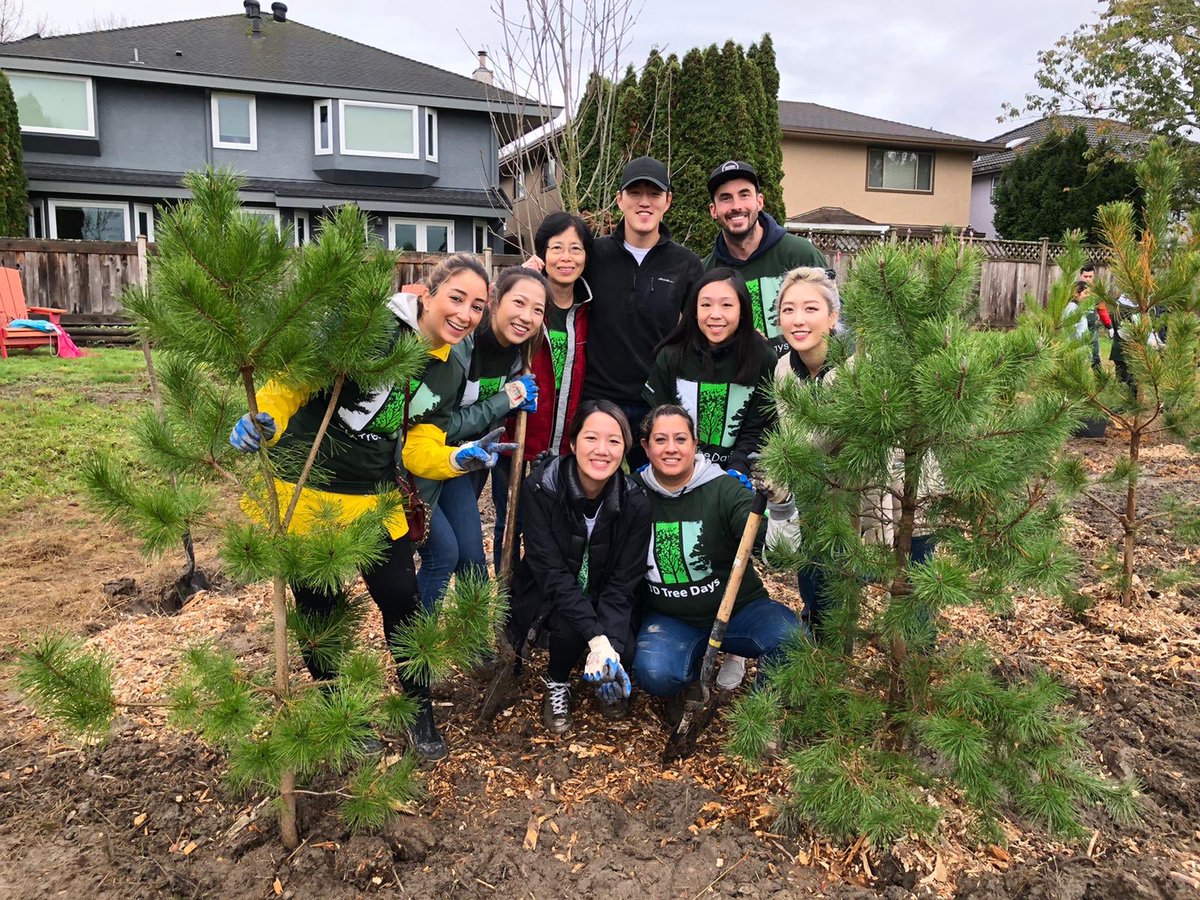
(358, 453)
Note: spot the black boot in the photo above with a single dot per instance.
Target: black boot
(423, 735)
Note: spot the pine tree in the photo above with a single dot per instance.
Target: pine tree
(695, 132)
(14, 189)
(1155, 265)
(599, 160)
(960, 435)
(229, 305)
(769, 137)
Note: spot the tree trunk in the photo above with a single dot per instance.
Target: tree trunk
(287, 781)
(1129, 521)
(901, 586)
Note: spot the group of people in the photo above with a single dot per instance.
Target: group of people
(644, 373)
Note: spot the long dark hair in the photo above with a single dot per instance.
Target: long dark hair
(610, 409)
(747, 344)
(504, 283)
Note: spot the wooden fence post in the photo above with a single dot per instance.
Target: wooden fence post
(1043, 268)
(487, 261)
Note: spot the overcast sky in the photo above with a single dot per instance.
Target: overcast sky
(943, 64)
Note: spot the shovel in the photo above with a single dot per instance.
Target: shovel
(496, 694)
(698, 711)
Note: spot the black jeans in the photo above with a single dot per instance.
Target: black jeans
(392, 584)
(567, 645)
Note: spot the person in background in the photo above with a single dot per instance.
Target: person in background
(754, 244)
(640, 279)
(587, 531)
(359, 452)
(1095, 317)
(492, 388)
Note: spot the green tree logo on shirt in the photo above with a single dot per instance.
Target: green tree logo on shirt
(558, 355)
(390, 417)
(763, 294)
(668, 553)
(720, 408)
(490, 387)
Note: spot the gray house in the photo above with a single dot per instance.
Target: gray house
(985, 171)
(110, 120)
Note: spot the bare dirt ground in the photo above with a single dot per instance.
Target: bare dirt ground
(515, 813)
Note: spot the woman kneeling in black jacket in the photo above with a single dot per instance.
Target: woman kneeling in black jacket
(587, 534)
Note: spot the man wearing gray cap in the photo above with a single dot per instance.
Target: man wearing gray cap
(639, 279)
(753, 243)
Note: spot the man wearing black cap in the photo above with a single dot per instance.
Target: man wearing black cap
(639, 279)
(754, 243)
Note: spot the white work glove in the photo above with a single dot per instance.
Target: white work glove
(603, 669)
(783, 526)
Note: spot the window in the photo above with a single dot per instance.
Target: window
(420, 236)
(234, 122)
(54, 104)
(899, 170)
(377, 129)
(431, 135)
(88, 220)
(271, 214)
(995, 181)
(300, 228)
(550, 174)
(143, 220)
(519, 186)
(480, 231)
(323, 127)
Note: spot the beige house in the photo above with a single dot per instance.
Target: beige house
(845, 171)
(529, 178)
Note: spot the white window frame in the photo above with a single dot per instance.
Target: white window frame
(264, 212)
(992, 190)
(431, 135)
(297, 217)
(883, 173)
(317, 106)
(475, 226)
(519, 191)
(549, 174)
(55, 202)
(138, 209)
(422, 234)
(216, 121)
(412, 111)
(34, 217)
(90, 92)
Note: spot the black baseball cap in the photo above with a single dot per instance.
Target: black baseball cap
(729, 170)
(646, 168)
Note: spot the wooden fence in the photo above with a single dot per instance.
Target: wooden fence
(87, 277)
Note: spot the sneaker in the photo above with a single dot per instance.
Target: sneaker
(731, 673)
(423, 735)
(556, 708)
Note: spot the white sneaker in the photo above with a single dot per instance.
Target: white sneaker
(732, 671)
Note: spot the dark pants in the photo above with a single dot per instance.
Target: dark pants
(392, 584)
(811, 581)
(567, 645)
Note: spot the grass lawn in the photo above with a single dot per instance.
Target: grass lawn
(58, 412)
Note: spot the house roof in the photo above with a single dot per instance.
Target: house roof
(830, 215)
(169, 184)
(813, 119)
(286, 53)
(1033, 132)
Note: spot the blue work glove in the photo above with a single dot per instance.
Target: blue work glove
(483, 453)
(603, 669)
(742, 478)
(522, 393)
(244, 436)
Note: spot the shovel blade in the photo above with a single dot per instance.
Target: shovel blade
(682, 741)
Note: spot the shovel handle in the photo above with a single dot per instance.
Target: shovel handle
(516, 474)
(736, 572)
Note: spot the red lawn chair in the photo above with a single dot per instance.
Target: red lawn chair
(12, 306)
